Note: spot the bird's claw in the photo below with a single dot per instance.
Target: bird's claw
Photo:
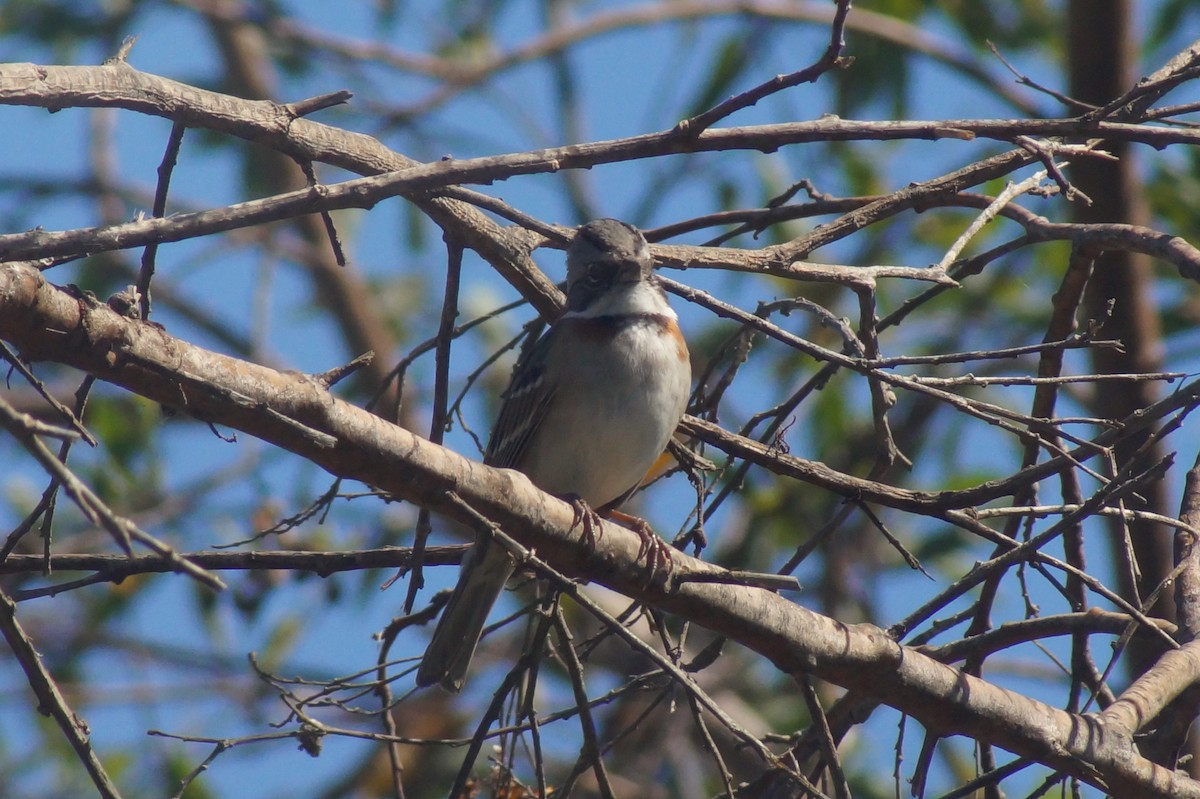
(657, 553)
(588, 518)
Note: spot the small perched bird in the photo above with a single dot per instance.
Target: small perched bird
(587, 413)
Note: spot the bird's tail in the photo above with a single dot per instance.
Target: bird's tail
(484, 572)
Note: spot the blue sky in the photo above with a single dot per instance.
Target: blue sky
(628, 79)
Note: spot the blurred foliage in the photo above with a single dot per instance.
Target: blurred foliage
(192, 490)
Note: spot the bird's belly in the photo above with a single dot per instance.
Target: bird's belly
(633, 409)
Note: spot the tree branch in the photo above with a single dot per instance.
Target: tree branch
(50, 699)
(46, 322)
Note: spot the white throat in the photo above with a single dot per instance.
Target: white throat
(638, 298)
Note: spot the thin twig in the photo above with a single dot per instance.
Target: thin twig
(50, 699)
(830, 59)
(591, 753)
(820, 722)
(165, 168)
(1010, 193)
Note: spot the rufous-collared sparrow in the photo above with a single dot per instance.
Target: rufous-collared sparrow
(587, 413)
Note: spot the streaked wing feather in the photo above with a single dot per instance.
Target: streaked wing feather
(525, 404)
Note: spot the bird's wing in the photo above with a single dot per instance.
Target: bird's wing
(526, 401)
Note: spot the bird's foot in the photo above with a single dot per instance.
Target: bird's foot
(584, 515)
(657, 553)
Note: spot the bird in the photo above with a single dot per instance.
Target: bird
(588, 411)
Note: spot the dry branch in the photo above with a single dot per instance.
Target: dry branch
(298, 413)
(48, 323)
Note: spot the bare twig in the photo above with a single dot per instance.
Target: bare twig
(1010, 193)
(165, 168)
(50, 699)
(122, 530)
(830, 59)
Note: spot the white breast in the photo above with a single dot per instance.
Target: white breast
(614, 410)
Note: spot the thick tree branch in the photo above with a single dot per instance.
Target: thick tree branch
(274, 125)
(122, 86)
(46, 322)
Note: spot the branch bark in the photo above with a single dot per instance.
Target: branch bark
(296, 413)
